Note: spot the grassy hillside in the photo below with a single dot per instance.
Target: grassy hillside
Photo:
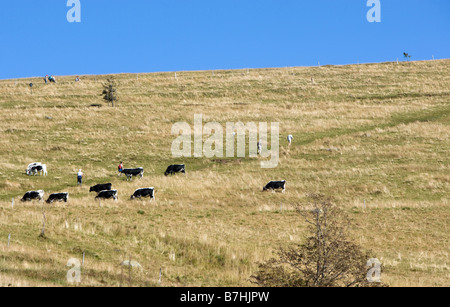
(377, 133)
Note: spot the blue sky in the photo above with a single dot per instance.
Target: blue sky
(173, 35)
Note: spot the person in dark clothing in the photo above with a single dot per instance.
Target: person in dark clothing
(80, 177)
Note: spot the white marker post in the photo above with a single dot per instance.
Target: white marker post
(9, 239)
(12, 203)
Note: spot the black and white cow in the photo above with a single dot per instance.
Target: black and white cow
(107, 194)
(146, 192)
(32, 165)
(275, 185)
(58, 197)
(133, 172)
(101, 187)
(37, 168)
(32, 195)
(177, 168)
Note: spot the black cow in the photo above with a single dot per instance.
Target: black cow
(107, 194)
(31, 195)
(133, 172)
(177, 168)
(275, 185)
(146, 192)
(101, 187)
(58, 197)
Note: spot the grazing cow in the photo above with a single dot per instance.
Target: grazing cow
(58, 197)
(32, 168)
(101, 187)
(32, 164)
(133, 172)
(146, 192)
(107, 194)
(31, 195)
(177, 168)
(37, 169)
(275, 185)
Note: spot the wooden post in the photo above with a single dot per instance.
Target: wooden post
(129, 273)
(121, 275)
(43, 224)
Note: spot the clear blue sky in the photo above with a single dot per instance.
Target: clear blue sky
(172, 35)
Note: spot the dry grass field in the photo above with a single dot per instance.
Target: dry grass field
(377, 133)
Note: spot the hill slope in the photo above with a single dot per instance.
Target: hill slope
(377, 133)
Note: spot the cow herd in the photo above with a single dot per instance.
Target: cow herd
(105, 191)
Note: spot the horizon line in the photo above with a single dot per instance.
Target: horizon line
(224, 69)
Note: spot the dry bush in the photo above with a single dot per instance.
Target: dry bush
(326, 259)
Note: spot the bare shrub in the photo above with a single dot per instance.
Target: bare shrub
(327, 258)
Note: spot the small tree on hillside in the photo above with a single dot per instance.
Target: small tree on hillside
(110, 91)
(326, 259)
(407, 56)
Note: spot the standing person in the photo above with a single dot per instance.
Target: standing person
(259, 147)
(290, 138)
(45, 79)
(120, 168)
(80, 177)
